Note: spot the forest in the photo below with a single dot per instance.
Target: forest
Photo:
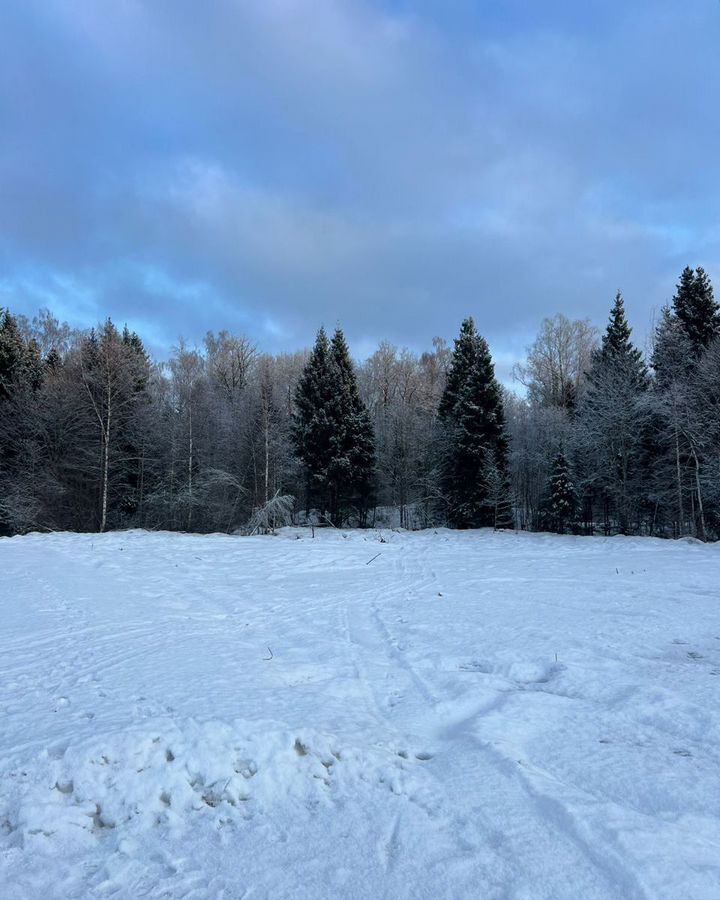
(599, 438)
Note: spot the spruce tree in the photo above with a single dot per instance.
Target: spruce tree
(695, 306)
(474, 444)
(21, 376)
(313, 425)
(354, 443)
(463, 360)
(560, 502)
(13, 355)
(612, 420)
(617, 349)
(332, 431)
(672, 357)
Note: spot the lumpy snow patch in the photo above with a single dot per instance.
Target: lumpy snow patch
(521, 672)
(167, 774)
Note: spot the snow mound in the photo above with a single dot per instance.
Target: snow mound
(167, 773)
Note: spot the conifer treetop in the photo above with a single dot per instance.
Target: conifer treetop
(695, 306)
(616, 340)
(618, 356)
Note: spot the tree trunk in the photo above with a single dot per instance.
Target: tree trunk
(267, 451)
(701, 511)
(190, 467)
(106, 462)
(141, 484)
(681, 512)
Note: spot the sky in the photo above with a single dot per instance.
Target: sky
(267, 166)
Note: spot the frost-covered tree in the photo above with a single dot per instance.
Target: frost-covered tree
(274, 513)
(557, 363)
(560, 501)
(402, 390)
(113, 371)
(94, 434)
(536, 434)
(611, 425)
(682, 469)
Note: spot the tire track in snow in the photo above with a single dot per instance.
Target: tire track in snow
(534, 845)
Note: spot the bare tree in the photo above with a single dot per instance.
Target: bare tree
(558, 361)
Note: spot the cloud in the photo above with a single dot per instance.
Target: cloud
(266, 167)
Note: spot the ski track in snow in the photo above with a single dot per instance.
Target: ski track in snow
(471, 715)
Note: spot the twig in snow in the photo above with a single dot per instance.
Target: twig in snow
(374, 557)
(268, 658)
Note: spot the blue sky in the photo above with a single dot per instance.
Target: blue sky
(272, 165)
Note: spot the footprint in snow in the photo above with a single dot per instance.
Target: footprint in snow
(475, 666)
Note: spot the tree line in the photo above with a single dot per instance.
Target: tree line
(95, 435)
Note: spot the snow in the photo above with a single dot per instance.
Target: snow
(470, 715)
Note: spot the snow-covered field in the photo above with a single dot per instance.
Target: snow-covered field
(470, 715)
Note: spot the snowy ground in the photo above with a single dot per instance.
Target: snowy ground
(469, 716)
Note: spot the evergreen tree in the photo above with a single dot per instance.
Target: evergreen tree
(13, 355)
(354, 440)
(474, 443)
(464, 360)
(612, 422)
(672, 356)
(560, 502)
(332, 431)
(312, 431)
(21, 376)
(133, 426)
(695, 306)
(617, 349)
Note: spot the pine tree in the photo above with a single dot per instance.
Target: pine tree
(560, 502)
(695, 306)
(474, 443)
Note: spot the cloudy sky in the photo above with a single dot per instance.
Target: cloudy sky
(268, 165)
